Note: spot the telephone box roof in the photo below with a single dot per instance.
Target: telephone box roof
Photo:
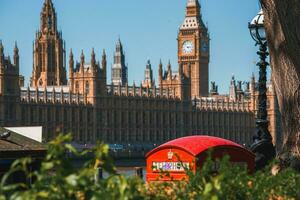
(197, 144)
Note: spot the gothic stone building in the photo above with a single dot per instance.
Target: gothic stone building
(85, 106)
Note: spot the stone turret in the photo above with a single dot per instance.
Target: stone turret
(82, 62)
(169, 70)
(1, 54)
(232, 89)
(104, 65)
(119, 69)
(160, 72)
(148, 80)
(16, 56)
(93, 61)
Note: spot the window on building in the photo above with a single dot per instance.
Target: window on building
(76, 86)
(87, 87)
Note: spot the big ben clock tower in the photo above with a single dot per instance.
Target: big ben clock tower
(193, 50)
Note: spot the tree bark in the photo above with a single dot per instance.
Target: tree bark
(282, 24)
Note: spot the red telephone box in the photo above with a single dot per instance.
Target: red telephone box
(190, 152)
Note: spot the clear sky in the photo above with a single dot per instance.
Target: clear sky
(147, 28)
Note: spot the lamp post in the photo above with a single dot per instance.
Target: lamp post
(262, 140)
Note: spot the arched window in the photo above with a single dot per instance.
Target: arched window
(87, 87)
(76, 86)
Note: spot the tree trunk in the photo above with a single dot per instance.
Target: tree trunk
(282, 23)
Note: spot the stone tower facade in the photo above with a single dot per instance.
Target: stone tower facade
(87, 79)
(119, 74)
(9, 86)
(148, 79)
(48, 51)
(193, 50)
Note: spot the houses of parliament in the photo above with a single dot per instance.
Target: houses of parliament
(75, 97)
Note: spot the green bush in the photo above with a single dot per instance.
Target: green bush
(58, 179)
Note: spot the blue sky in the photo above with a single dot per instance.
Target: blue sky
(147, 28)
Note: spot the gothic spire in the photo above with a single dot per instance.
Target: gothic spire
(169, 66)
(48, 18)
(71, 61)
(16, 49)
(82, 56)
(160, 70)
(169, 70)
(119, 68)
(81, 61)
(93, 60)
(1, 52)
(93, 57)
(103, 62)
(119, 47)
(1, 48)
(148, 66)
(71, 53)
(46, 37)
(16, 55)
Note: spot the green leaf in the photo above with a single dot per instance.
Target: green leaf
(47, 165)
(208, 188)
(72, 180)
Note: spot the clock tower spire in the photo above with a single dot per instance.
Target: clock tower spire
(193, 49)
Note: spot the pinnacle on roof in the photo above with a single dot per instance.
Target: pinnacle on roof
(148, 66)
(1, 45)
(119, 45)
(48, 6)
(82, 55)
(71, 53)
(48, 3)
(16, 49)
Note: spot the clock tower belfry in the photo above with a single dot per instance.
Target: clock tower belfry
(193, 50)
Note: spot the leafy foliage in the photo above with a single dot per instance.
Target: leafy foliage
(57, 178)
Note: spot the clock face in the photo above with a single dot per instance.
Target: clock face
(188, 47)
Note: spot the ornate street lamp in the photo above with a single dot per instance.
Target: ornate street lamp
(262, 145)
